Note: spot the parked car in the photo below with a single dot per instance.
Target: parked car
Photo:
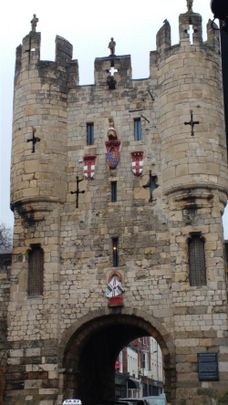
(134, 401)
(72, 402)
(156, 400)
(114, 402)
(150, 400)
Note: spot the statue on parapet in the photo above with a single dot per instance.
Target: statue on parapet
(112, 47)
(34, 22)
(189, 5)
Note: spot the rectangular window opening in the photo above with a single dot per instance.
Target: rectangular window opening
(114, 191)
(137, 129)
(197, 262)
(90, 133)
(115, 253)
(35, 271)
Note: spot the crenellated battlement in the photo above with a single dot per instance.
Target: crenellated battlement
(190, 34)
(112, 70)
(65, 69)
(49, 91)
(190, 28)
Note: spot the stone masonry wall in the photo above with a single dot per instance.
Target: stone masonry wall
(5, 263)
(191, 172)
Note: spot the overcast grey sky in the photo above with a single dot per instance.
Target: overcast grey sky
(88, 25)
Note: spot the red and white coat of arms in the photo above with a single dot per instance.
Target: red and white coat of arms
(89, 166)
(137, 163)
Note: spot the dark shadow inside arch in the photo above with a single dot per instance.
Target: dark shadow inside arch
(90, 354)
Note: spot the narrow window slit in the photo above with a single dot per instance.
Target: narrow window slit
(114, 191)
(115, 252)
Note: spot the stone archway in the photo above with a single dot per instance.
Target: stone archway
(89, 349)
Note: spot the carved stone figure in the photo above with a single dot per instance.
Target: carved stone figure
(34, 22)
(112, 46)
(111, 134)
(189, 5)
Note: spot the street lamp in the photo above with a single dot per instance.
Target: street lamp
(220, 10)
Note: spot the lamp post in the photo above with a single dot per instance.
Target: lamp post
(220, 10)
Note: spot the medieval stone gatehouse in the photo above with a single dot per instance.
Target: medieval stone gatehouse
(118, 190)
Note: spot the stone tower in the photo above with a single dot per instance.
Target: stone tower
(118, 190)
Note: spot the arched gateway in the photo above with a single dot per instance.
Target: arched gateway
(117, 190)
(90, 347)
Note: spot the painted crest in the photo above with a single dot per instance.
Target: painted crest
(114, 291)
(137, 163)
(112, 147)
(89, 166)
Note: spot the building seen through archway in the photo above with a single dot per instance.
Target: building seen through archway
(139, 369)
(115, 356)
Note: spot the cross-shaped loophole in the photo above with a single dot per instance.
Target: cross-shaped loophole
(113, 70)
(191, 33)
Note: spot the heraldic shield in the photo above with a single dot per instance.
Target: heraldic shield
(137, 163)
(113, 153)
(112, 147)
(114, 291)
(89, 166)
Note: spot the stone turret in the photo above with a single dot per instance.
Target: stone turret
(38, 176)
(192, 113)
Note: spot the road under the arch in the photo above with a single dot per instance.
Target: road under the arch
(90, 355)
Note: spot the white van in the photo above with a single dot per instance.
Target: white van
(72, 402)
